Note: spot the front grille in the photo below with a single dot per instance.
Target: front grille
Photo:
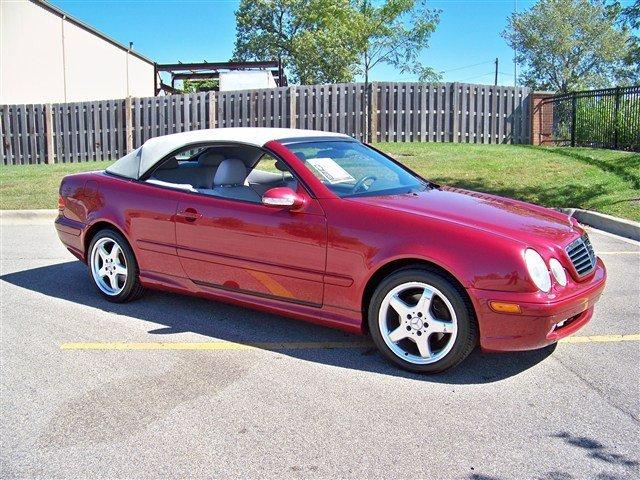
(581, 254)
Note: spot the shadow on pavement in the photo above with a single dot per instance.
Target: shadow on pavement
(596, 450)
(69, 281)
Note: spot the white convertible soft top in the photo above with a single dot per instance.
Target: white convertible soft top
(138, 162)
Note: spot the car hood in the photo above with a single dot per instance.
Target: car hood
(510, 218)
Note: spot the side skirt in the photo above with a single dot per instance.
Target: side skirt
(333, 317)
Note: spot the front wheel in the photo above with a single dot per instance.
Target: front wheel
(113, 267)
(422, 321)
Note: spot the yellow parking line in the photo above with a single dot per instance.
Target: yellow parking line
(213, 345)
(222, 345)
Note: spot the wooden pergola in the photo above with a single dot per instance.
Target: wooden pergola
(211, 71)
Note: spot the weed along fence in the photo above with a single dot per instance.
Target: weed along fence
(394, 112)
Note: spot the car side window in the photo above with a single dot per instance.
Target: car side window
(268, 163)
(269, 172)
(190, 155)
(231, 172)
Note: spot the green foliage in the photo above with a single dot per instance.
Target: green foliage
(328, 41)
(629, 19)
(394, 32)
(311, 37)
(598, 121)
(568, 45)
(192, 86)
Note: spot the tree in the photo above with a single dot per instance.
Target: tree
(192, 86)
(631, 15)
(629, 19)
(311, 37)
(333, 40)
(568, 45)
(394, 32)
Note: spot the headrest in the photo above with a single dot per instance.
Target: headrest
(169, 164)
(210, 159)
(230, 172)
(280, 165)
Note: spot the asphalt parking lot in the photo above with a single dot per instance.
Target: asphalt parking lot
(308, 402)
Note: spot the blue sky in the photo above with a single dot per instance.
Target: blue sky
(192, 31)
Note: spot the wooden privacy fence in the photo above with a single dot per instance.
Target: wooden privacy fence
(450, 112)
(394, 112)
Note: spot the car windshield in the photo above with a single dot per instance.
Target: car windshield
(350, 168)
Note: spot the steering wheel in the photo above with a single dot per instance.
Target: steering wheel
(360, 184)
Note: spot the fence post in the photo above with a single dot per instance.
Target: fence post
(573, 119)
(455, 106)
(615, 119)
(212, 109)
(373, 112)
(48, 132)
(128, 120)
(292, 107)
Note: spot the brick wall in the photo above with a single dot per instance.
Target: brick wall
(541, 118)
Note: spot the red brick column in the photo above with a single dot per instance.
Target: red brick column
(541, 118)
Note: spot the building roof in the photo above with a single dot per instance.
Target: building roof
(140, 161)
(53, 9)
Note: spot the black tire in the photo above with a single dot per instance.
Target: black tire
(467, 336)
(132, 288)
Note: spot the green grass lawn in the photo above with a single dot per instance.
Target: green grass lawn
(606, 181)
(603, 180)
(36, 186)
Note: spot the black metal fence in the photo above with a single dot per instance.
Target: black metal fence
(607, 118)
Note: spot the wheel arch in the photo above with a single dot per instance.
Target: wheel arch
(393, 266)
(95, 228)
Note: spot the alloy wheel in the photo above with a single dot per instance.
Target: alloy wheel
(418, 323)
(109, 266)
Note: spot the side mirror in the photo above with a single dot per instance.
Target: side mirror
(280, 197)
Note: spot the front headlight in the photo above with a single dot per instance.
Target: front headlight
(558, 271)
(537, 269)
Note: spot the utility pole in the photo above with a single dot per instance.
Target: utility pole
(515, 58)
(128, 52)
(495, 78)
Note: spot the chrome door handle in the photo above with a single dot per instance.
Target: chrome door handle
(189, 214)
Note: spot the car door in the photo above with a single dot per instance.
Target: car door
(149, 213)
(252, 248)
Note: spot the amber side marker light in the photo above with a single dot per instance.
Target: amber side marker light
(503, 307)
(61, 203)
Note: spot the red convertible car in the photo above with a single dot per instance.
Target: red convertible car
(321, 227)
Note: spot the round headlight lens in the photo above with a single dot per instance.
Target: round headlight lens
(537, 269)
(558, 271)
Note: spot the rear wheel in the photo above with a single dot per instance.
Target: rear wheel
(422, 321)
(113, 267)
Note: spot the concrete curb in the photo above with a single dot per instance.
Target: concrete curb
(617, 226)
(28, 217)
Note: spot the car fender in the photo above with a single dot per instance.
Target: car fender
(475, 258)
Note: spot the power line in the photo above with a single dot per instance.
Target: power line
(476, 76)
(466, 66)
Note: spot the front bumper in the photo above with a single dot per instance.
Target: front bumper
(536, 326)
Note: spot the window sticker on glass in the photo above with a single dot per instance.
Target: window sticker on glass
(330, 170)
